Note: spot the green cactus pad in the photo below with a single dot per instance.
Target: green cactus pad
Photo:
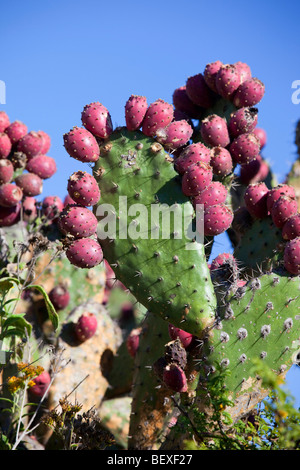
(261, 320)
(155, 265)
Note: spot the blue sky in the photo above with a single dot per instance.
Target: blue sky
(58, 56)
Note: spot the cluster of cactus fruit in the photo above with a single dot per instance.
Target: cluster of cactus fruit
(202, 157)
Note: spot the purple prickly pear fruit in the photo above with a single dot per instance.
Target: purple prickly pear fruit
(187, 339)
(42, 165)
(242, 121)
(5, 145)
(182, 103)
(196, 178)
(29, 208)
(244, 69)
(291, 228)
(83, 188)
(198, 91)
(46, 142)
(280, 190)
(193, 153)
(249, 93)
(255, 171)
(255, 198)
(215, 193)
(245, 148)
(16, 130)
(10, 195)
(9, 215)
(132, 341)
(31, 184)
(86, 326)
(30, 144)
(291, 256)
(221, 161)
(175, 135)
(222, 259)
(175, 378)
(214, 131)
(6, 171)
(158, 115)
(210, 74)
(84, 253)
(41, 384)
(68, 200)
(96, 119)
(52, 206)
(228, 80)
(261, 135)
(217, 219)
(4, 121)
(282, 209)
(60, 297)
(180, 115)
(81, 145)
(135, 110)
(77, 221)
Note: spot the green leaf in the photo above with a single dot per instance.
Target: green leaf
(50, 308)
(7, 283)
(16, 321)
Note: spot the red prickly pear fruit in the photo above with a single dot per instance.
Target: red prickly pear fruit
(261, 135)
(175, 135)
(282, 209)
(255, 171)
(249, 93)
(222, 259)
(245, 148)
(132, 341)
(30, 144)
(215, 193)
(96, 119)
(29, 209)
(84, 253)
(10, 195)
(86, 326)
(255, 198)
(291, 257)
(46, 142)
(175, 378)
(5, 145)
(77, 221)
(135, 110)
(186, 338)
(183, 103)
(214, 131)
(210, 74)
(280, 190)
(193, 153)
(244, 70)
(81, 145)
(83, 189)
(42, 165)
(217, 219)
(221, 161)
(228, 80)
(41, 384)
(52, 206)
(9, 215)
(158, 115)
(242, 121)
(196, 178)
(198, 91)
(60, 297)
(291, 228)
(16, 130)
(6, 171)
(68, 201)
(4, 121)
(31, 184)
